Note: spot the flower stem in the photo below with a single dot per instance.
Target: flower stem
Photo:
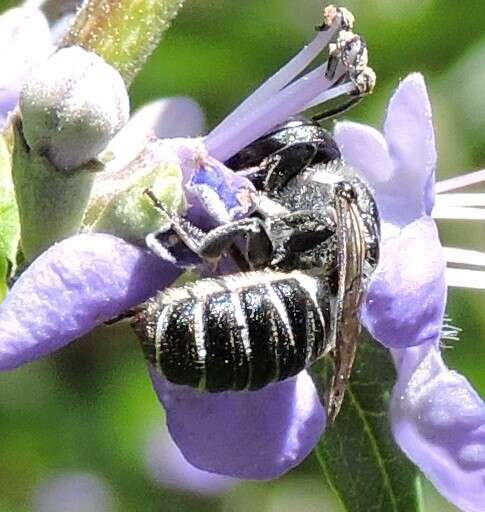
(123, 32)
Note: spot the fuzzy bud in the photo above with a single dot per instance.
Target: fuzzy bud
(72, 105)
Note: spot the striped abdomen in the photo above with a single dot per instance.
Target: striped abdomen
(237, 332)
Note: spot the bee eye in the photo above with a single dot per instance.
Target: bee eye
(277, 157)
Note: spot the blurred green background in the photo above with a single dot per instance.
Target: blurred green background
(90, 407)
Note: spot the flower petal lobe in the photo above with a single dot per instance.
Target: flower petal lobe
(407, 294)
(75, 285)
(255, 435)
(409, 132)
(364, 148)
(438, 420)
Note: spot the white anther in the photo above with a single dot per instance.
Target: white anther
(332, 13)
(351, 51)
(347, 18)
(365, 81)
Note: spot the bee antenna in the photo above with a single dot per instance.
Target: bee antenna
(156, 202)
(339, 109)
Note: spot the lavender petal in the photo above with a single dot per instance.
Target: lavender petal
(19, 27)
(365, 148)
(252, 435)
(407, 295)
(170, 117)
(409, 132)
(72, 287)
(224, 195)
(438, 420)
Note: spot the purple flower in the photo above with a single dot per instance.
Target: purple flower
(20, 27)
(83, 281)
(29, 35)
(437, 418)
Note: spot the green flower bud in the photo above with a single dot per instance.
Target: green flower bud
(71, 106)
(131, 215)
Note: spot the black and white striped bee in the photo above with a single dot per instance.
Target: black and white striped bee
(305, 256)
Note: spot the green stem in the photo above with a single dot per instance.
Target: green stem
(123, 32)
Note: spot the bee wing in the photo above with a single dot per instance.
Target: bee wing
(351, 288)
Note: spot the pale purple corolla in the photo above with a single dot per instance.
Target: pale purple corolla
(437, 418)
(25, 41)
(87, 279)
(29, 34)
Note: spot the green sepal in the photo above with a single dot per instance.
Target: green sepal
(123, 32)
(358, 455)
(4, 273)
(9, 219)
(131, 214)
(51, 203)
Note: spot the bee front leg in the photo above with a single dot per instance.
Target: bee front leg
(251, 232)
(212, 245)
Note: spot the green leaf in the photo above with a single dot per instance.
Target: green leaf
(9, 220)
(359, 457)
(123, 32)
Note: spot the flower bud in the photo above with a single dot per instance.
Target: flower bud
(72, 106)
(130, 214)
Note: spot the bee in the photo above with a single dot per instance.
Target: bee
(305, 254)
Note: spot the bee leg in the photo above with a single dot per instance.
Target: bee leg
(252, 232)
(283, 165)
(158, 247)
(189, 234)
(212, 245)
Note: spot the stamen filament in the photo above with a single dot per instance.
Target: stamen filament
(458, 213)
(282, 77)
(467, 257)
(464, 278)
(466, 180)
(460, 199)
(274, 111)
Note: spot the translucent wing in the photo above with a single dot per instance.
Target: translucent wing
(351, 289)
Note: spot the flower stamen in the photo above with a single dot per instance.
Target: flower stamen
(462, 206)
(458, 212)
(282, 96)
(465, 278)
(335, 19)
(458, 271)
(460, 199)
(466, 180)
(457, 256)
